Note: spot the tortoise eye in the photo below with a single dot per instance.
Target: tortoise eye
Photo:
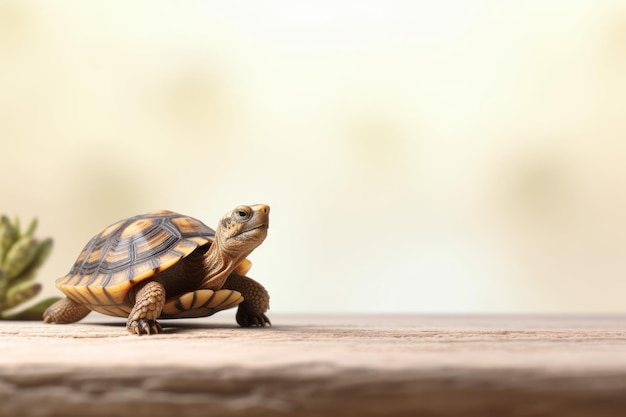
(242, 214)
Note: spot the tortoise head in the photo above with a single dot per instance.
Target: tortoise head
(243, 229)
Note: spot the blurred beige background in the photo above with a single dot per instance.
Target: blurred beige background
(431, 156)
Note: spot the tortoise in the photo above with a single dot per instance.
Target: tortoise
(164, 264)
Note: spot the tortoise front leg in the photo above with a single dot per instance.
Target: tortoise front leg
(256, 301)
(149, 302)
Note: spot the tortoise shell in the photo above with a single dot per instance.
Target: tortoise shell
(129, 252)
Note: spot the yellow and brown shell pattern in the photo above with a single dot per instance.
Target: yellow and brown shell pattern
(128, 252)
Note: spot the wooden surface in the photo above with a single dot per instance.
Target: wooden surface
(352, 365)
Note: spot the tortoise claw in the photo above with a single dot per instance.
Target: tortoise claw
(141, 326)
(247, 318)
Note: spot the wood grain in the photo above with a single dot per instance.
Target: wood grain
(351, 365)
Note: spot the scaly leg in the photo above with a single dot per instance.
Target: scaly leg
(149, 302)
(256, 301)
(65, 311)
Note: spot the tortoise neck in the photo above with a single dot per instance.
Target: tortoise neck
(218, 265)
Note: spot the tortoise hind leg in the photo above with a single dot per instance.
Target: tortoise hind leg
(256, 301)
(149, 301)
(65, 311)
(200, 303)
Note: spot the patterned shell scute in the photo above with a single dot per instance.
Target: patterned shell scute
(130, 251)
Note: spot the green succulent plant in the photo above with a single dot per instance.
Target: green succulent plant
(21, 255)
